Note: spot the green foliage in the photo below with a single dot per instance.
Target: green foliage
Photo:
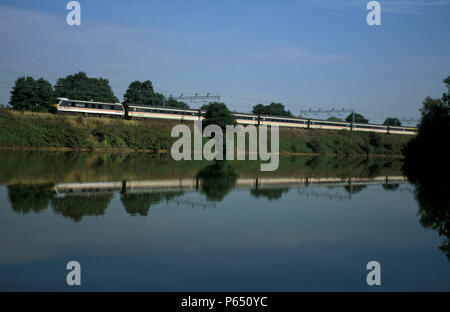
(174, 103)
(270, 194)
(218, 114)
(126, 135)
(37, 130)
(434, 210)
(33, 95)
(358, 118)
(38, 167)
(426, 166)
(334, 118)
(77, 207)
(273, 109)
(43, 130)
(341, 142)
(26, 130)
(139, 203)
(27, 198)
(80, 87)
(391, 121)
(425, 156)
(143, 93)
(217, 180)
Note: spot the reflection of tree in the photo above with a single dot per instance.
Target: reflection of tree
(434, 212)
(139, 203)
(391, 187)
(432, 192)
(76, 207)
(26, 198)
(270, 194)
(353, 189)
(217, 180)
(374, 170)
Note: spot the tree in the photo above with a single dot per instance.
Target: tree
(174, 103)
(358, 118)
(426, 164)
(273, 109)
(334, 118)
(391, 121)
(425, 159)
(218, 114)
(143, 93)
(30, 94)
(80, 87)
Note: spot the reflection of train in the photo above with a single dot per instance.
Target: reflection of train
(63, 105)
(190, 184)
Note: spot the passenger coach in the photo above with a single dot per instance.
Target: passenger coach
(64, 105)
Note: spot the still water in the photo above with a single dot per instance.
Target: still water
(144, 222)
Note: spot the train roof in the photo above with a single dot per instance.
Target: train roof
(162, 107)
(86, 101)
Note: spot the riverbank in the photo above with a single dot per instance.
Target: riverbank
(43, 131)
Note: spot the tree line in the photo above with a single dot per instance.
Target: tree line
(38, 95)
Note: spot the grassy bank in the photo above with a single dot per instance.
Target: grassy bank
(40, 130)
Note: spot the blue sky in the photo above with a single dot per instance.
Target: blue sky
(305, 54)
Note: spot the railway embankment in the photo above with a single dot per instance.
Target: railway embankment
(26, 130)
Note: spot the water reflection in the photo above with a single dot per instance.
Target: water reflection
(432, 192)
(217, 180)
(140, 203)
(75, 184)
(77, 207)
(29, 198)
(391, 187)
(74, 192)
(270, 194)
(227, 220)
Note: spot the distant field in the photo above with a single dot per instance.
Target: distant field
(25, 130)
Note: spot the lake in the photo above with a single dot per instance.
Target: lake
(143, 222)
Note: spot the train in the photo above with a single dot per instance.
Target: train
(118, 110)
